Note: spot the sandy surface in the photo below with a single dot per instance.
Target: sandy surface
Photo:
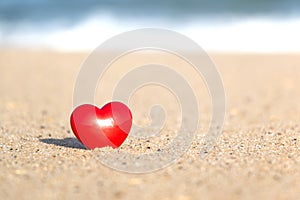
(257, 156)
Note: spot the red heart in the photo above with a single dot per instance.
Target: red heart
(96, 128)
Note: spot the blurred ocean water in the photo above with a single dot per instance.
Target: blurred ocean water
(220, 25)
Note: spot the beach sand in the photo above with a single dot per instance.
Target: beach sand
(257, 155)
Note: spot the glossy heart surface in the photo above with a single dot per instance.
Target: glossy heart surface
(97, 128)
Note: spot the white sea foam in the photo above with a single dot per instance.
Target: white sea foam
(236, 35)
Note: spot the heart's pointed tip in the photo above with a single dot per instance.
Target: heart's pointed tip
(103, 147)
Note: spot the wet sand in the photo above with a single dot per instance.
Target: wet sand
(256, 157)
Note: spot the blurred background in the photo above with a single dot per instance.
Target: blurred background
(218, 25)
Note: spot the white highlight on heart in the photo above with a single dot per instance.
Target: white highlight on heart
(105, 122)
